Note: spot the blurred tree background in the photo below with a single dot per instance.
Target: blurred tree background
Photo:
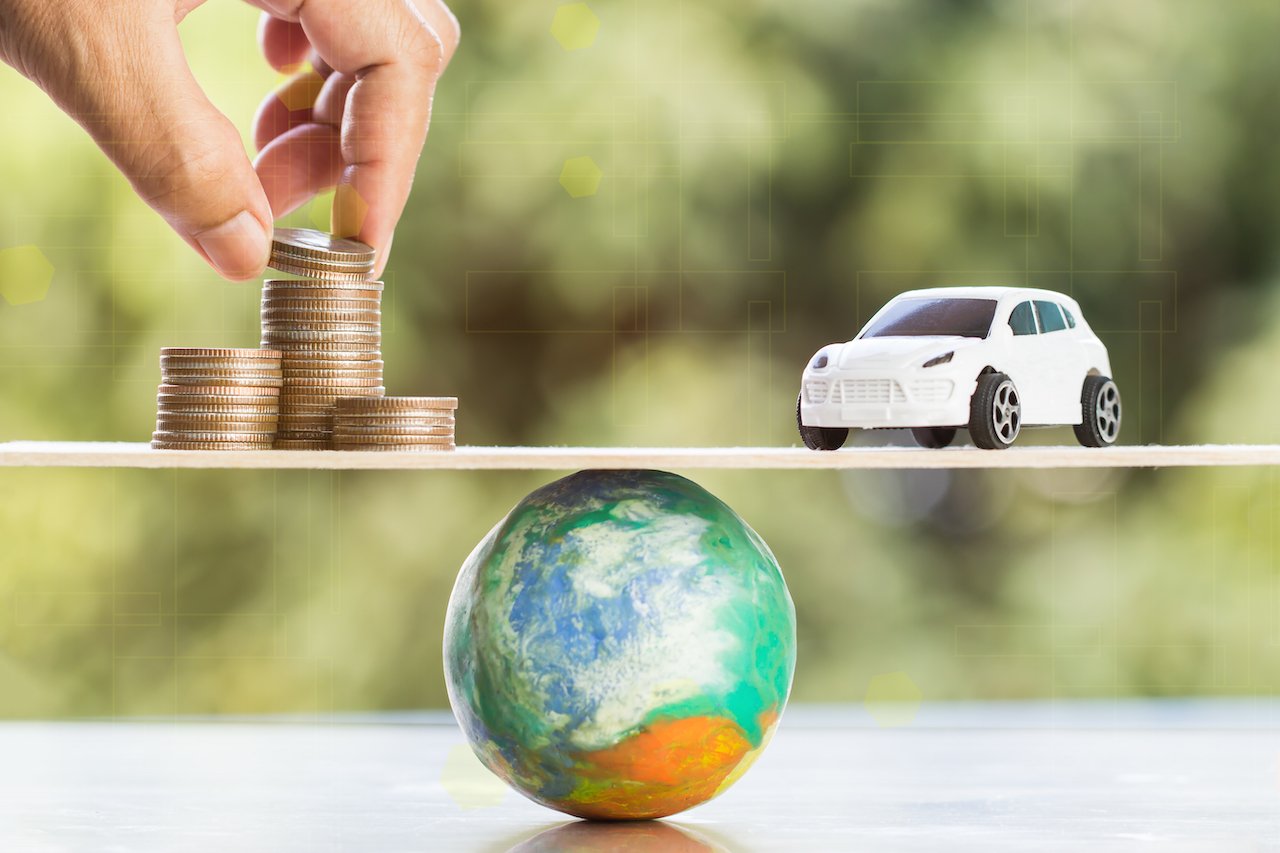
(637, 234)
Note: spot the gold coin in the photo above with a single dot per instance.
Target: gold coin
(314, 315)
(219, 353)
(321, 360)
(314, 275)
(266, 368)
(343, 431)
(376, 426)
(228, 382)
(196, 406)
(206, 445)
(185, 372)
(321, 322)
(336, 334)
(395, 403)
(318, 244)
(396, 416)
(169, 425)
(330, 337)
(276, 285)
(319, 268)
(303, 383)
(331, 349)
(180, 403)
(301, 444)
(236, 418)
(298, 255)
(233, 420)
(336, 373)
(227, 436)
(217, 391)
(396, 448)
(322, 300)
(395, 439)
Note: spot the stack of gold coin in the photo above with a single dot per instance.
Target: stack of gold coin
(218, 399)
(330, 334)
(395, 423)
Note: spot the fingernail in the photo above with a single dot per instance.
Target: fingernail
(238, 248)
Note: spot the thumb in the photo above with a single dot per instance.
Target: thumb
(183, 157)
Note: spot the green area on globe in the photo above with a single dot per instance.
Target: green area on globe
(620, 646)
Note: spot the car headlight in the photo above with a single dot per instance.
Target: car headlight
(820, 362)
(945, 358)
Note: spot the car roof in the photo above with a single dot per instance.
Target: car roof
(989, 292)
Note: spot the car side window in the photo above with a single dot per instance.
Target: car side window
(1071, 320)
(1051, 319)
(1023, 320)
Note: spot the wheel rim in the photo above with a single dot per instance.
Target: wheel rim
(1006, 412)
(1106, 412)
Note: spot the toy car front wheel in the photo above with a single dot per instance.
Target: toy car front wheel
(820, 438)
(995, 412)
(1100, 412)
(934, 437)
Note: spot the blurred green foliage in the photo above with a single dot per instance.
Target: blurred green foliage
(770, 173)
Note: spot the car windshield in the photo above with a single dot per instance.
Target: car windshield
(929, 316)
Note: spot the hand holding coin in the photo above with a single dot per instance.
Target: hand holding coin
(357, 120)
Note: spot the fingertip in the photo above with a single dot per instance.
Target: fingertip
(238, 248)
(284, 43)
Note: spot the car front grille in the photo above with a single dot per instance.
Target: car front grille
(853, 391)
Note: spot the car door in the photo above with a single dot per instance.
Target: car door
(1062, 366)
(1028, 364)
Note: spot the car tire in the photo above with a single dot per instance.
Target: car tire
(1100, 412)
(820, 438)
(995, 412)
(935, 438)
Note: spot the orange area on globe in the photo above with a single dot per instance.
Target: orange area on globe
(668, 767)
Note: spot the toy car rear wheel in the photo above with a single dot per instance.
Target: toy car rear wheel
(934, 437)
(1100, 411)
(820, 438)
(995, 412)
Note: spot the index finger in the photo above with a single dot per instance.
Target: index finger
(395, 56)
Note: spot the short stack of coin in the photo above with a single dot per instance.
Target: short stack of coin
(330, 333)
(217, 399)
(395, 423)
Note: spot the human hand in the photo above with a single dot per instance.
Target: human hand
(117, 67)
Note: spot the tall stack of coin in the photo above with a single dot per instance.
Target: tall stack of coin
(217, 399)
(395, 423)
(328, 326)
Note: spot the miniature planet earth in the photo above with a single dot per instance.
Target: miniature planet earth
(620, 646)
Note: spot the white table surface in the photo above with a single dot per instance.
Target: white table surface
(1055, 776)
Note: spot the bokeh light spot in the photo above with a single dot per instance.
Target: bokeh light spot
(300, 91)
(893, 699)
(349, 211)
(469, 782)
(581, 177)
(575, 26)
(25, 275)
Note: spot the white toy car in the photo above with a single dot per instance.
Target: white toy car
(989, 359)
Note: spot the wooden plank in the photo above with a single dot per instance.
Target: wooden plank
(34, 454)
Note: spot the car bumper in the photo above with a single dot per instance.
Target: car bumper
(874, 402)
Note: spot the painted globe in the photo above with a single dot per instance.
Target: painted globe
(620, 646)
